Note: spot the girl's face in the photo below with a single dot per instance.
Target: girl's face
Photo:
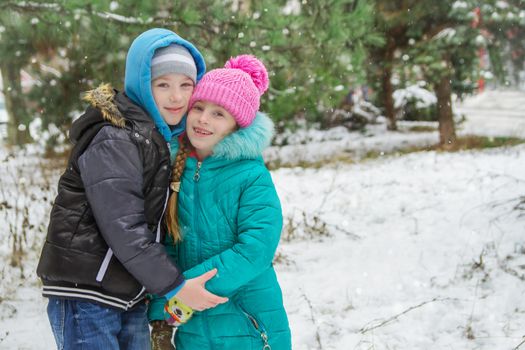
(207, 124)
(172, 93)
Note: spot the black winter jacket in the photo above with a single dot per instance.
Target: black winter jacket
(103, 238)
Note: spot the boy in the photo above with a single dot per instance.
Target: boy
(102, 251)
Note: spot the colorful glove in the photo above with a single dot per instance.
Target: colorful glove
(176, 312)
(161, 335)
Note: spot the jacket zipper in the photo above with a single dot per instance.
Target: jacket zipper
(104, 267)
(196, 178)
(102, 272)
(197, 174)
(105, 263)
(157, 239)
(260, 329)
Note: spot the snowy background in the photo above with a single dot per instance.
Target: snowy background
(418, 251)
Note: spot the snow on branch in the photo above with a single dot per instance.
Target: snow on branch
(35, 5)
(37, 8)
(446, 34)
(30, 6)
(122, 19)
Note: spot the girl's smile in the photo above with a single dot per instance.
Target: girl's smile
(200, 132)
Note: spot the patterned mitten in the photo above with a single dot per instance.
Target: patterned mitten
(176, 312)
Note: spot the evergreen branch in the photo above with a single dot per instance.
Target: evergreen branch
(29, 7)
(167, 21)
(37, 8)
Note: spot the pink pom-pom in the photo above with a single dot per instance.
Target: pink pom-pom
(255, 68)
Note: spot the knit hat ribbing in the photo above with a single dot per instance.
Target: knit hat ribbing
(173, 59)
(237, 88)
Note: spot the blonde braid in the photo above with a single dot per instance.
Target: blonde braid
(176, 175)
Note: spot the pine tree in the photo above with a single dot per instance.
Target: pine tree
(16, 51)
(312, 49)
(68, 47)
(502, 26)
(439, 42)
(445, 51)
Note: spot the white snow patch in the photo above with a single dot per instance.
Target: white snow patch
(421, 251)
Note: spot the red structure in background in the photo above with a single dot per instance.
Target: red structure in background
(476, 21)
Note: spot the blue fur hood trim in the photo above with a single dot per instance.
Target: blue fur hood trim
(137, 82)
(247, 143)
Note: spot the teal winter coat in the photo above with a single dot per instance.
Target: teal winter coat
(230, 218)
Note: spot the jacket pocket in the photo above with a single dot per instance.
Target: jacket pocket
(259, 329)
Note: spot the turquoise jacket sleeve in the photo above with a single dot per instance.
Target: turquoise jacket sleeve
(156, 308)
(259, 232)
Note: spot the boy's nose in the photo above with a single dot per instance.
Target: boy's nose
(175, 95)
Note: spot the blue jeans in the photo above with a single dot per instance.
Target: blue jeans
(81, 325)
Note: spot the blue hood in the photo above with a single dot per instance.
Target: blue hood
(137, 83)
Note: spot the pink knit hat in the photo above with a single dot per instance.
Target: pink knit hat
(237, 87)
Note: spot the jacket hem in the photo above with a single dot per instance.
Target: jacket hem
(76, 293)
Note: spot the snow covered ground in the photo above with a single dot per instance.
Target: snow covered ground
(495, 113)
(422, 251)
(492, 113)
(429, 229)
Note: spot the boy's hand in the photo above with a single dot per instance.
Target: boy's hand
(195, 295)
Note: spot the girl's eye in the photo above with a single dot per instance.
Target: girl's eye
(197, 108)
(219, 114)
(187, 85)
(162, 85)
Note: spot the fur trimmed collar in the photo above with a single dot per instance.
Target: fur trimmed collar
(102, 98)
(247, 143)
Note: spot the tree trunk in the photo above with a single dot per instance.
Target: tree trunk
(388, 89)
(447, 130)
(14, 104)
(243, 6)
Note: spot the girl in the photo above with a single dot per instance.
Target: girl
(227, 215)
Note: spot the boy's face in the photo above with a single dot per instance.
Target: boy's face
(172, 93)
(207, 124)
